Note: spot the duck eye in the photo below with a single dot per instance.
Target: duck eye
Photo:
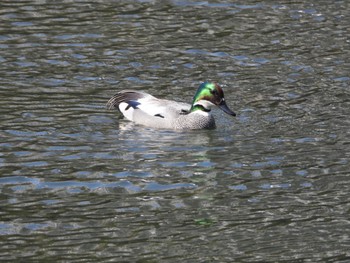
(214, 92)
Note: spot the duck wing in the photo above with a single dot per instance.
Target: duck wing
(125, 96)
(145, 109)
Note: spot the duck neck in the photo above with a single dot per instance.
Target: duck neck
(202, 105)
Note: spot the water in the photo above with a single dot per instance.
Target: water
(78, 183)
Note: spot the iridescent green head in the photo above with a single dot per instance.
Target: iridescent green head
(209, 94)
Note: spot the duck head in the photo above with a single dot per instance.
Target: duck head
(209, 94)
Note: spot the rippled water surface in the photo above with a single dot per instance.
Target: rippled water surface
(79, 184)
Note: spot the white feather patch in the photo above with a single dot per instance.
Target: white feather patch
(127, 110)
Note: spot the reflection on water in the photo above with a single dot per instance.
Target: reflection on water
(78, 183)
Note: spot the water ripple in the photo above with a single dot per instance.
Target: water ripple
(78, 183)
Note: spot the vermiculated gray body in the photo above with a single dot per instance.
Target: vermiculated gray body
(142, 108)
(194, 121)
(158, 113)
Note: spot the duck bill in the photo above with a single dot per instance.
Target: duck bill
(226, 109)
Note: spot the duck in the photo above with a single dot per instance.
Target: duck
(144, 109)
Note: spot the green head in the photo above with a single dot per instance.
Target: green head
(209, 94)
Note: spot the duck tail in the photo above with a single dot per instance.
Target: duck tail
(123, 96)
(115, 101)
